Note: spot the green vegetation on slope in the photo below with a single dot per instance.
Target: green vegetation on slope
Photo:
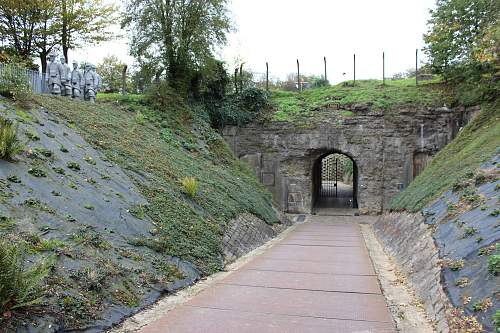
(10, 145)
(19, 286)
(160, 149)
(291, 105)
(475, 144)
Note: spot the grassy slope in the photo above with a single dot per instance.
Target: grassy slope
(290, 105)
(165, 147)
(475, 144)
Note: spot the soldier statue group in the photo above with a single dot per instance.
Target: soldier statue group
(64, 82)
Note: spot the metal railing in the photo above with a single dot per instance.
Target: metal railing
(35, 79)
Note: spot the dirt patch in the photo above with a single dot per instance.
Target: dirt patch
(168, 303)
(406, 309)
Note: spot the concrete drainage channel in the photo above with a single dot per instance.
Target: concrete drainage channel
(407, 311)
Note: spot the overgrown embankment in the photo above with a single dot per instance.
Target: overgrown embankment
(447, 241)
(163, 147)
(341, 99)
(121, 201)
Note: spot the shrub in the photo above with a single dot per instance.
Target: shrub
(190, 185)
(216, 81)
(318, 82)
(162, 97)
(238, 109)
(9, 143)
(20, 286)
(14, 84)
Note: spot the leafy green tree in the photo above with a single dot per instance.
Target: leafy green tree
(34, 28)
(178, 36)
(460, 32)
(47, 37)
(85, 22)
(17, 26)
(111, 71)
(142, 75)
(28, 28)
(10, 56)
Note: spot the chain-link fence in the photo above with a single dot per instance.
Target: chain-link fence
(35, 80)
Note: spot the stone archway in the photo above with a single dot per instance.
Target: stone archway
(335, 182)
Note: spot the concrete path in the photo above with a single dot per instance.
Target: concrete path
(317, 279)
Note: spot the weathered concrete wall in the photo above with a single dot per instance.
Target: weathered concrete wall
(247, 232)
(455, 228)
(381, 145)
(409, 240)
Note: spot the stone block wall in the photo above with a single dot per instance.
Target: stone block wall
(382, 146)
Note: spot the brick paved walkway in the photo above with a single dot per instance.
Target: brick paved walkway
(317, 279)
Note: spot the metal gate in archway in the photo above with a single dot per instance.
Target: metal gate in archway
(336, 181)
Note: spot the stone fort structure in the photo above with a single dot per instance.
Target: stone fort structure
(388, 150)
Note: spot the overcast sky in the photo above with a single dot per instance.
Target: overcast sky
(280, 31)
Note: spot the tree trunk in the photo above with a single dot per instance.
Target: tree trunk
(65, 52)
(64, 31)
(43, 60)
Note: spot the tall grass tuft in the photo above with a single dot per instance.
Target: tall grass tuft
(190, 185)
(10, 145)
(20, 286)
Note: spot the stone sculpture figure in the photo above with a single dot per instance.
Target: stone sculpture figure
(53, 76)
(76, 81)
(90, 84)
(65, 78)
(97, 79)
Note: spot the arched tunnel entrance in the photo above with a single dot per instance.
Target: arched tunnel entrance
(335, 182)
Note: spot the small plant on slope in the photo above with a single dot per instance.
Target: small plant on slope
(496, 321)
(482, 305)
(19, 286)
(494, 263)
(455, 265)
(190, 185)
(10, 145)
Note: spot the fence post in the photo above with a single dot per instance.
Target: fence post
(354, 83)
(236, 80)
(299, 86)
(416, 67)
(324, 59)
(241, 77)
(43, 84)
(124, 80)
(383, 68)
(267, 76)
